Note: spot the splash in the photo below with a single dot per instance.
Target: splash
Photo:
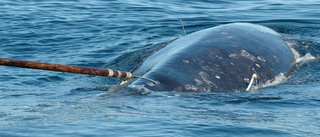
(299, 58)
(277, 80)
(307, 57)
(281, 78)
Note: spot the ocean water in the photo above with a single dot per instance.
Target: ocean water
(120, 34)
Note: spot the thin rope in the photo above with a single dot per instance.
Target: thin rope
(155, 82)
(133, 77)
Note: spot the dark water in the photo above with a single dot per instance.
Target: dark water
(119, 34)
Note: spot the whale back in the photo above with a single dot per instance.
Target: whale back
(218, 59)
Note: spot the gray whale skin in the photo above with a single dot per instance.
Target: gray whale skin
(218, 59)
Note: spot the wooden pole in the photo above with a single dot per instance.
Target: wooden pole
(64, 68)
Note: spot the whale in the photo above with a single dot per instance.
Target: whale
(223, 58)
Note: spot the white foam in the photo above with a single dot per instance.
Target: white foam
(295, 54)
(299, 58)
(277, 80)
(307, 57)
(281, 78)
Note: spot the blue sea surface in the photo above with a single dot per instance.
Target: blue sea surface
(120, 34)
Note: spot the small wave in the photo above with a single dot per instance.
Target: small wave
(125, 89)
(307, 57)
(299, 58)
(277, 80)
(281, 78)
